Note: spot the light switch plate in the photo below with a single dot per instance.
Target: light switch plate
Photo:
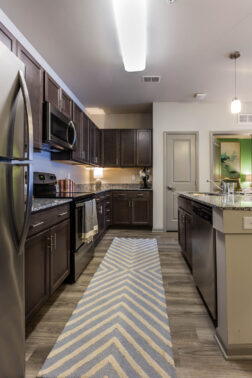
(247, 223)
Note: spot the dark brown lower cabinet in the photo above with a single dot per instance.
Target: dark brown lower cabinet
(132, 208)
(47, 264)
(59, 256)
(121, 209)
(185, 229)
(36, 272)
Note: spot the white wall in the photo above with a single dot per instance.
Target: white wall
(187, 117)
(123, 121)
(78, 173)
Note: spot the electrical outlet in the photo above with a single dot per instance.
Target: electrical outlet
(247, 223)
(133, 177)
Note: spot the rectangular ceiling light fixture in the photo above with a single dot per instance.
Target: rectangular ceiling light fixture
(131, 23)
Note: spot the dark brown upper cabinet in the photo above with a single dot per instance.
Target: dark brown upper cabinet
(66, 105)
(144, 148)
(78, 121)
(7, 38)
(95, 144)
(110, 148)
(35, 83)
(85, 140)
(52, 91)
(56, 96)
(128, 148)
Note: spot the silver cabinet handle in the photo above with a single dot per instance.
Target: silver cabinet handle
(37, 224)
(62, 214)
(139, 195)
(28, 111)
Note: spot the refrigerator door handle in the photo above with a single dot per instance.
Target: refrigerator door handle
(28, 112)
(21, 237)
(27, 210)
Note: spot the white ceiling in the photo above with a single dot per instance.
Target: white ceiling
(188, 45)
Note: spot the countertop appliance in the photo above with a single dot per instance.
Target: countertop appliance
(16, 185)
(81, 252)
(59, 131)
(204, 256)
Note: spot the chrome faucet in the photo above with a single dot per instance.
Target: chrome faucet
(222, 188)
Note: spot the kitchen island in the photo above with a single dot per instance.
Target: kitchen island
(231, 219)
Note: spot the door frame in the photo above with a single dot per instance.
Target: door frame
(211, 139)
(165, 133)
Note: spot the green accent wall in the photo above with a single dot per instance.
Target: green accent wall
(246, 155)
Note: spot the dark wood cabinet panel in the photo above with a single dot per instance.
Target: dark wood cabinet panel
(181, 228)
(7, 38)
(128, 148)
(92, 142)
(60, 254)
(144, 148)
(78, 121)
(52, 91)
(101, 218)
(97, 146)
(121, 214)
(66, 105)
(110, 148)
(34, 79)
(36, 272)
(141, 211)
(185, 219)
(85, 140)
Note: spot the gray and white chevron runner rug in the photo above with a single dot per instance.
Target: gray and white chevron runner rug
(120, 326)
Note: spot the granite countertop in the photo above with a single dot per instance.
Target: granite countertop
(45, 203)
(223, 201)
(123, 189)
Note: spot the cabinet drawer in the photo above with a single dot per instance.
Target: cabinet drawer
(185, 204)
(46, 218)
(140, 194)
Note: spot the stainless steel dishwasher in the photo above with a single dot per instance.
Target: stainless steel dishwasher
(204, 256)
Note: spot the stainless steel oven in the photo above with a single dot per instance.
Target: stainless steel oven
(59, 131)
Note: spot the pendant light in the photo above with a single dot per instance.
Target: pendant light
(236, 103)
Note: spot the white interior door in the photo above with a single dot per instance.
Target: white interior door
(180, 173)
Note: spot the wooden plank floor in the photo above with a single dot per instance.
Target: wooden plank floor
(195, 352)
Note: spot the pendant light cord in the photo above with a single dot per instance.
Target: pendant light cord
(235, 76)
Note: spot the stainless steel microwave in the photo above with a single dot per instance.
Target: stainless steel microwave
(59, 131)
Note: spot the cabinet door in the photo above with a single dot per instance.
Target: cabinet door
(36, 272)
(78, 121)
(181, 229)
(85, 140)
(121, 210)
(141, 214)
(7, 38)
(34, 80)
(66, 105)
(128, 148)
(60, 254)
(101, 218)
(52, 91)
(92, 142)
(110, 148)
(97, 146)
(188, 240)
(144, 148)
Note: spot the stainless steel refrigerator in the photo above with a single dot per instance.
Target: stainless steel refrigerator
(16, 148)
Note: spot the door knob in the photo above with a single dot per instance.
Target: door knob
(169, 187)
